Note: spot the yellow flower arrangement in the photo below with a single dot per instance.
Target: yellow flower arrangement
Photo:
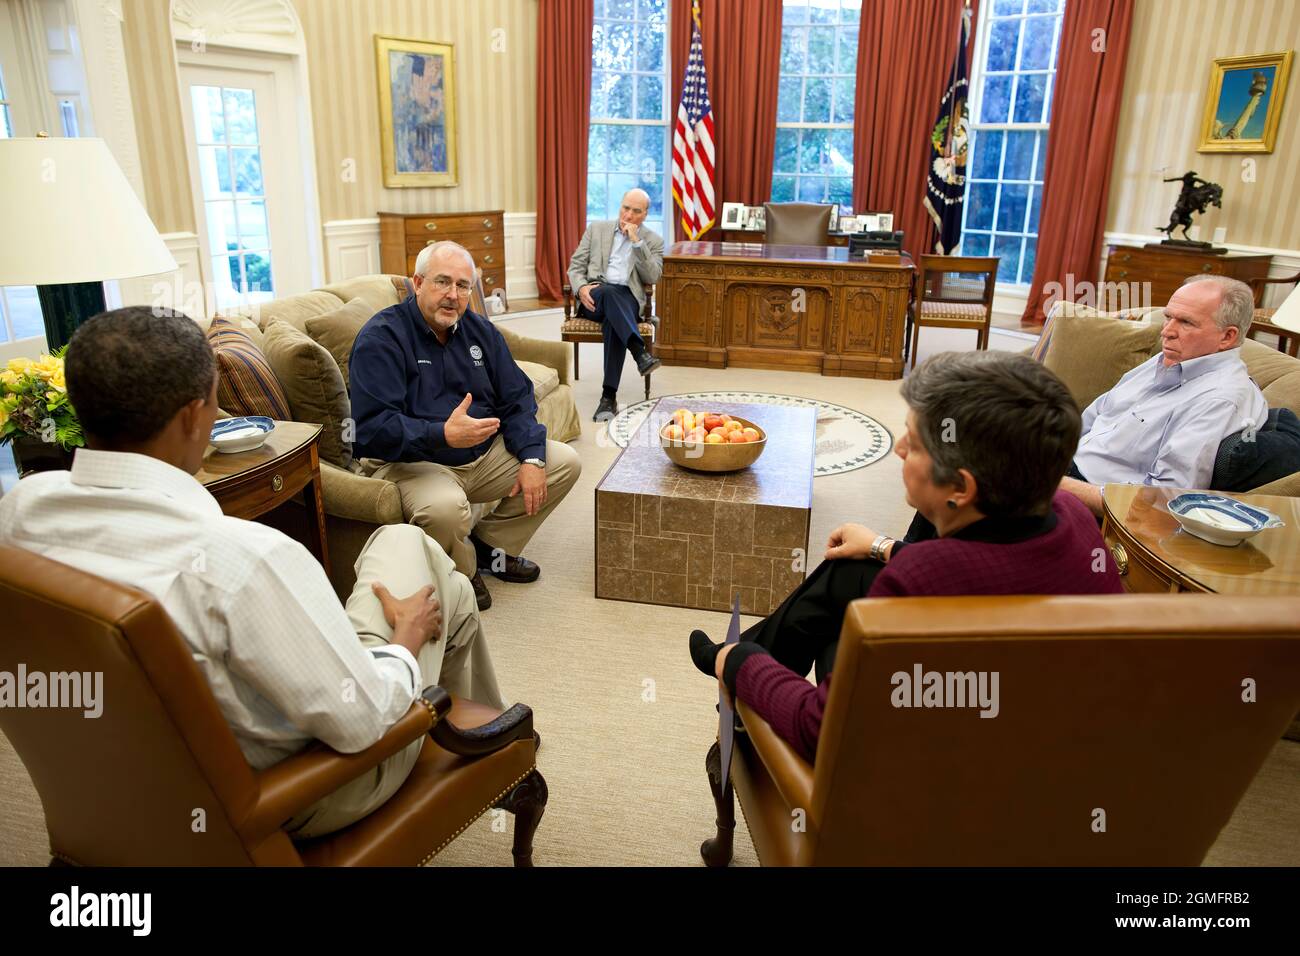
(34, 402)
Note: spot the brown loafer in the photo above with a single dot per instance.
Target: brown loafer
(506, 567)
(481, 594)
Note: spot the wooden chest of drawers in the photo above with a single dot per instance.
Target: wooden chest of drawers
(401, 237)
(1166, 268)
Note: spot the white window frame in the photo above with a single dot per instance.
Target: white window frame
(665, 121)
(1011, 295)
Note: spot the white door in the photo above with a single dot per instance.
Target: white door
(248, 201)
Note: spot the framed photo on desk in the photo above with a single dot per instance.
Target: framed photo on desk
(732, 212)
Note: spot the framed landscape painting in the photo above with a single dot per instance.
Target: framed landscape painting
(1244, 104)
(417, 111)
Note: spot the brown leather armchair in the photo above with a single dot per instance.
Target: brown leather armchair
(1122, 738)
(158, 778)
(797, 223)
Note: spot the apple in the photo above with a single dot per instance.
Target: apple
(719, 431)
(715, 437)
(674, 433)
(712, 422)
(736, 437)
(751, 434)
(733, 425)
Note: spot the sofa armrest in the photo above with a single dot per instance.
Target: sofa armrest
(792, 774)
(349, 495)
(525, 349)
(1288, 487)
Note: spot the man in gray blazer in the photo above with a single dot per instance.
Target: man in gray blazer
(609, 273)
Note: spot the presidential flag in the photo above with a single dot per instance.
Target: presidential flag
(693, 143)
(945, 190)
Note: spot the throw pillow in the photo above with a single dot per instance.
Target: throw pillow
(1246, 462)
(246, 384)
(337, 330)
(315, 388)
(1090, 353)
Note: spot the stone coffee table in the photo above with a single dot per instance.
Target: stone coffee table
(666, 535)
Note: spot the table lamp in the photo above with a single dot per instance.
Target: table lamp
(71, 221)
(1288, 314)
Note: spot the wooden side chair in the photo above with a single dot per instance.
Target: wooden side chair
(125, 788)
(1121, 736)
(578, 330)
(1287, 340)
(954, 292)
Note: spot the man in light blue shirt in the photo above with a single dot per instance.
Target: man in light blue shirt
(1163, 421)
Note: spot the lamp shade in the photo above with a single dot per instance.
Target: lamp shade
(1288, 314)
(71, 216)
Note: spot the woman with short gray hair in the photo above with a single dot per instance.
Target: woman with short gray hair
(989, 437)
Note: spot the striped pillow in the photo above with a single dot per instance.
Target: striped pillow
(246, 385)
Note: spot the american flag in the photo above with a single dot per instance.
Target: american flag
(693, 143)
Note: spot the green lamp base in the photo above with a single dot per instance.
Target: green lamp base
(66, 306)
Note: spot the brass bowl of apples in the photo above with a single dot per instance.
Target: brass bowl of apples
(708, 441)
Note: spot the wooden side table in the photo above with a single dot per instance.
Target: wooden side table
(1154, 553)
(248, 484)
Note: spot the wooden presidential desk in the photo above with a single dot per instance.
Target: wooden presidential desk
(805, 308)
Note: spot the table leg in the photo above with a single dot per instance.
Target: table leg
(312, 497)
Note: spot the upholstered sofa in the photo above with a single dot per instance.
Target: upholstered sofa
(1090, 351)
(356, 505)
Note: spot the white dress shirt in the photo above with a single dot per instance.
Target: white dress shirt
(620, 258)
(256, 609)
(1162, 425)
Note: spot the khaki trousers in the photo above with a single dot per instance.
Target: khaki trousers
(436, 498)
(404, 560)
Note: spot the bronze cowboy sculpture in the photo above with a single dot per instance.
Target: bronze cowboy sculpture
(1197, 194)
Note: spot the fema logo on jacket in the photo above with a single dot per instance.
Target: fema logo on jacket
(476, 354)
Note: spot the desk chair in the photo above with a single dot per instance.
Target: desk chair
(121, 790)
(1287, 340)
(577, 329)
(797, 224)
(1119, 710)
(951, 295)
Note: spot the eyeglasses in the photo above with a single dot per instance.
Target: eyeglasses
(443, 283)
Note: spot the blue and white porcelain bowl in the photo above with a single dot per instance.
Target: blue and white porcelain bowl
(1221, 520)
(240, 434)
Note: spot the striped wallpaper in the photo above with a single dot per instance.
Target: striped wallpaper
(495, 99)
(1174, 44)
(156, 103)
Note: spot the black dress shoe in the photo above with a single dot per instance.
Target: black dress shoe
(481, 594)
(507, 567)
(647, 363)
(606, 410)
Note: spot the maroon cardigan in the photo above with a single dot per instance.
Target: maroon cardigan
(1051, 555)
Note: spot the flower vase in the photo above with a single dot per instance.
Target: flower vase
(32, 455)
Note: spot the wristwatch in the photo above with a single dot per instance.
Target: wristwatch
(535, 461)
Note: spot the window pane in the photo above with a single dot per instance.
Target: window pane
(596, 196)
(793, 50)
(617, 47)
(787, 152)
(1041, 163)
(988, 154)
(841, 191)
(650, 49)
(6, 124)
(814, 151)
(1044, 6)
(214, 172)
(652, 11)
(1037, 52)
(842, 151)
(1020, 156)
(1027, 262)
(620, 9)
(1030, 95)
(599, 98)
(996, 103)
(1002, 8)
(241, 115)
(979, 210)
(597, 153)
(1002, 45)
(252, 224)
(1035, 200)
(1011, 209)
(24, 311)
(1007, 249)
(649, 97)
(227, 279)
(821, 50)
(788, 99)
(618, 88)
(843, 108)
(812, 188)
(650, 149)
(816, 100)
(622, 147)
(619, 184)
(848, 56)
(793, 11)
(248, 170)
(975, 243)
(823, 11)
(222, 236)
(783, 188)
(209, 123)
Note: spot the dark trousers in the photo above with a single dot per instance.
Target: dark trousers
(804, 631)
(616, 311)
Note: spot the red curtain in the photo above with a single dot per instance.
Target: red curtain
(1080, 145)
(742, 57)
(563, 113)
(905, 54)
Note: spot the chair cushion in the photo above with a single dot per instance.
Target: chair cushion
(1276, 373)
(337, 330)
(1091, 352)
(294, 309)
(246, 384)
(1245, 462)
(592, 327)
(545, 379)
(971, 311)
(1039, 351)
(314, 386)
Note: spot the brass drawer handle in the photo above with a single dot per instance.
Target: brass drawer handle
(487, 240)
(487, 223)
(488, 280)
(1121, 558)
(431, 226)
(1125, 258)
(1121, 273)
(1207, 267)
(488, 258)
(431, 242)
(277, 483)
